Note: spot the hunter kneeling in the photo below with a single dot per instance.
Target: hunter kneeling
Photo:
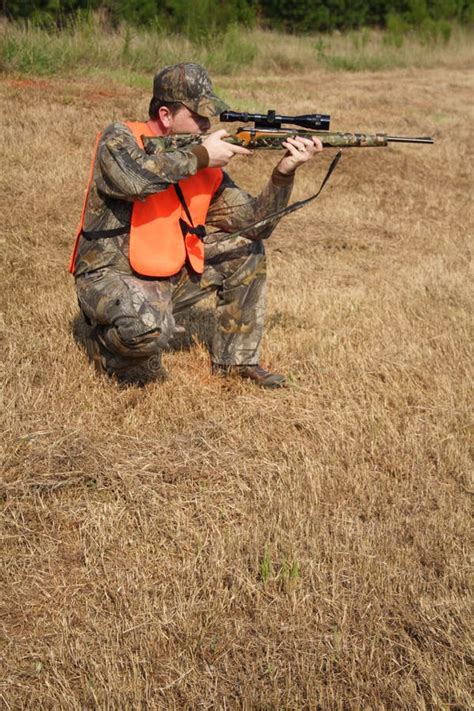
(142, 254)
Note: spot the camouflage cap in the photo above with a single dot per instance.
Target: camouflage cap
(190, 85)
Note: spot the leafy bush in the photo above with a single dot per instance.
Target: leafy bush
(200, 20)
(305, 16)
(396, 29)
(430, 21)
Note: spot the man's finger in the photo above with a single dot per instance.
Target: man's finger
(291, 149)
(293, 140)
(301, 143)
(240, 149)
(221, 133)
(307, 141)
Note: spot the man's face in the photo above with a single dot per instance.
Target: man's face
(186, 121)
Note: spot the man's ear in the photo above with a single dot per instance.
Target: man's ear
(164, 115)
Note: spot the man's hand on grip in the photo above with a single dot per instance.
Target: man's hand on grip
(220, 152)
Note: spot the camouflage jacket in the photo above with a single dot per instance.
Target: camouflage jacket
(123, 173)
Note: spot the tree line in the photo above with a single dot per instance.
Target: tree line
(193, 17)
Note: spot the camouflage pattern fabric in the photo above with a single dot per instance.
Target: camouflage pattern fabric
(135, 315)
(188, 84)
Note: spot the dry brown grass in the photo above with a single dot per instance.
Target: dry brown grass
(194, 545)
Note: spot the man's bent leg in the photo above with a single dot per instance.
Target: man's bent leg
(236, 269)
(241, 265)
(132, 316)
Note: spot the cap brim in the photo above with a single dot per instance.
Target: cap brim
(208, 106)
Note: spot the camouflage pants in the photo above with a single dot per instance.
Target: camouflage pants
(135, 316)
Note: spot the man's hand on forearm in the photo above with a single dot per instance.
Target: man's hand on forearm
(299, 150)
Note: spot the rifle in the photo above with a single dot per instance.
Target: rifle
(271, 130)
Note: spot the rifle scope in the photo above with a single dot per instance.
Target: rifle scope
(319, 122)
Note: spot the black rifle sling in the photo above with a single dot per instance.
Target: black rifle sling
(284, 210)
(188, 227)
(105, 234)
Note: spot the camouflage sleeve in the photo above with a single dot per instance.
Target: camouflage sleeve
(232, 208)
(125, 172)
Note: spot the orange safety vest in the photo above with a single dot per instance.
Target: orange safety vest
(157, 247)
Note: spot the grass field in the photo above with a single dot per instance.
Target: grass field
(203, 545)
(130, 55)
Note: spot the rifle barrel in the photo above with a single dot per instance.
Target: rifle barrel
(409, 139)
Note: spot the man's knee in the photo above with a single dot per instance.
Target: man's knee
(252, 268)
(130, 337)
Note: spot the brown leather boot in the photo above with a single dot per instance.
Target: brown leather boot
(255, 373)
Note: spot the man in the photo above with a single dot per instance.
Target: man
(142, 256)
